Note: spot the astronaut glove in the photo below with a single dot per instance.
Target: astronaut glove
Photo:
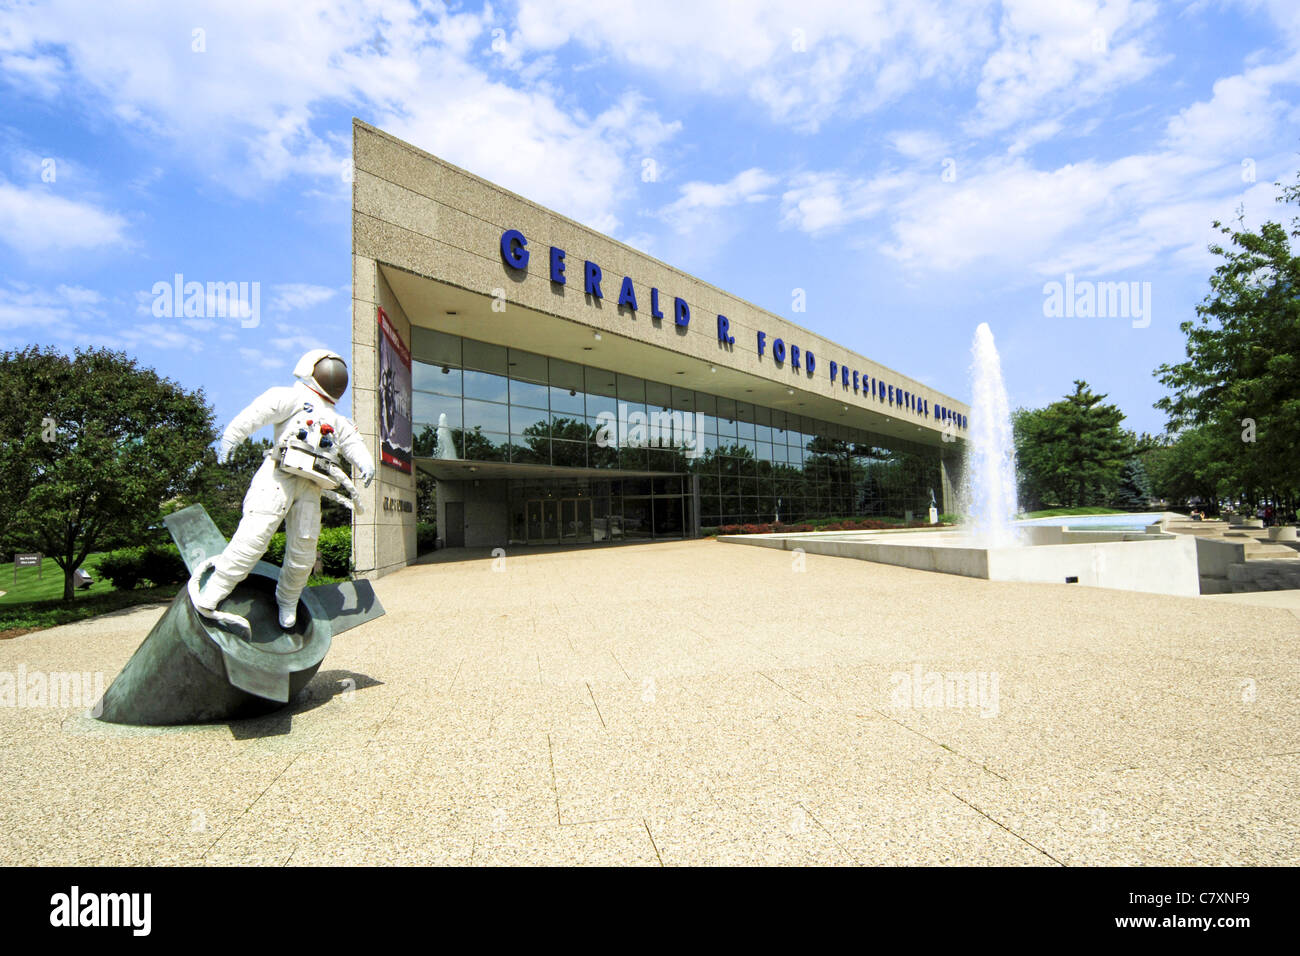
(367, 476)
(225, 448)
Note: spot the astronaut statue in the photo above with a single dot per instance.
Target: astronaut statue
(303, 463)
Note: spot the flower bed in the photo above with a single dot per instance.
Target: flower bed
(863, 524)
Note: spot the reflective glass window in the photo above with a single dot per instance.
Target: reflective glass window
(631, 390)
(426, 407)
(434, 347)
(487, 386)
(444, 379)
(482, 357)
(526, 421)
(486, 415)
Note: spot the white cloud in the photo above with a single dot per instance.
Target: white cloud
(1241, 117)
(293, 340)
(299, 295)
(37, 221)
(40, 74)
(700, 200)
(1055, 57)
(818, 202)
(1090, 216)
(803, 61)
(261, 359)
(260, 105)
(919, 144)
(155, 335)
(22, 306)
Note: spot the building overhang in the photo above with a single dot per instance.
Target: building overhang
(646, 352)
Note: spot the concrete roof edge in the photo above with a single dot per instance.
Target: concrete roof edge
(360, 123)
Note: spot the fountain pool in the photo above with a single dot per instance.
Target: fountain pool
(1126, 552)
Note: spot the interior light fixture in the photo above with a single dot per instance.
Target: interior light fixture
(596, 336)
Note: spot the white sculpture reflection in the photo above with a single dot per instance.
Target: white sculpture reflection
(446, 444)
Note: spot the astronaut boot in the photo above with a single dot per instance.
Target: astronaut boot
(288, 613)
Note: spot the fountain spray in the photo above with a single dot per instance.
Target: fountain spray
(989, 480)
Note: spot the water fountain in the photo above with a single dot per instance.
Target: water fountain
(991, 544)
(989, 485)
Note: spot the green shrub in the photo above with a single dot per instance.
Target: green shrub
(157, 564)
(275, 550)
(426, 537)
(161, 564)
(123, 568)
(335, 548)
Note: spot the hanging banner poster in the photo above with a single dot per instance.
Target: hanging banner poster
(394, 397)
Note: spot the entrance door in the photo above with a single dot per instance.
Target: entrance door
(583, 524)
(454, 513)
(550, 521)
(575, 520)
(534, 517)
(668, 519)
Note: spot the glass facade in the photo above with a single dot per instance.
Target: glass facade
(482, 402)
(579, 510)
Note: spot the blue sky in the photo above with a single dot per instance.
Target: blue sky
(916, 168)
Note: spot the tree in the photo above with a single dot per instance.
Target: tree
(221, 488)
(1189, 469)
(1134, 491)
(1071, 452)
(1240, 383)
(94, 444)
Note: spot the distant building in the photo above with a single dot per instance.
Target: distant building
(564, 388)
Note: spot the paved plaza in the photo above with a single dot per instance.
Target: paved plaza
(698, 703)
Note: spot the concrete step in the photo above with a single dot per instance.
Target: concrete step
(1211, 585)
(1263, 575)
(1262, 552)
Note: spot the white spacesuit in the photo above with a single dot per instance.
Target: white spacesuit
(309, 436)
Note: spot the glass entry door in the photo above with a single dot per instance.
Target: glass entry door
(550, 521)
(562, 521)
(533, 513)
(575, 520)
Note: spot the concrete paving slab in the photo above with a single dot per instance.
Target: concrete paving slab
(692, 703)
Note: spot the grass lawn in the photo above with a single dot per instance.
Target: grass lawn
(16, 619)
(1054, 512)
(36, 603)
(48, 585)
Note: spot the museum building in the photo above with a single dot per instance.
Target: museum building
(547, 385)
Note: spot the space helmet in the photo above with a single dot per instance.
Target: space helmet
(324, 371)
